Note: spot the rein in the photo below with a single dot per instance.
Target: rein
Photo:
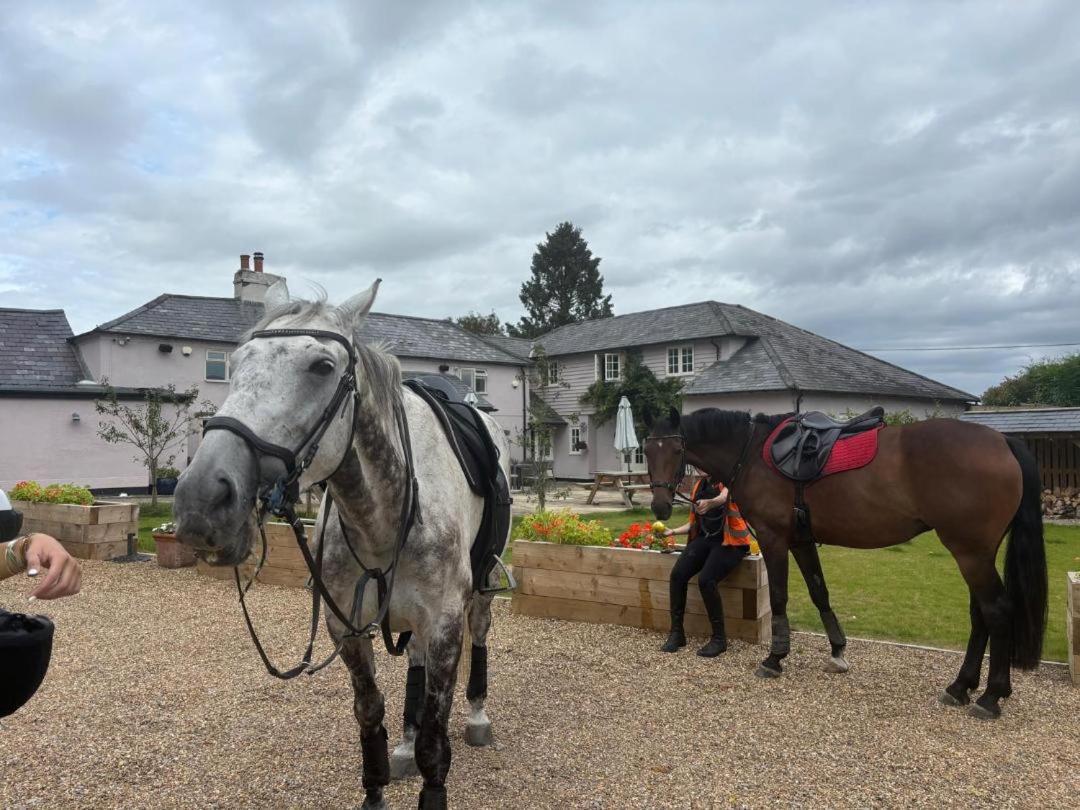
(280, 497)
(680, 470)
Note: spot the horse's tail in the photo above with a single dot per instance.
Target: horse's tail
(1025, 565)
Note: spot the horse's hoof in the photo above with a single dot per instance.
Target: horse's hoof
(479, 735)
(837, 664)
(947, 698)
(766, 672)
(403, 765)
(370, 805)
(983, 713)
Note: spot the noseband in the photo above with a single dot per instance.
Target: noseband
(680, 471)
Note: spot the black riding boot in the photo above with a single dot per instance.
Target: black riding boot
(677, 637)
(714, 606)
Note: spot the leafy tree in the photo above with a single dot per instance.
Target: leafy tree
(149, 426)
(480, 324)
(537, 441)
(646, 393)
(1044, 382)
(565, 287)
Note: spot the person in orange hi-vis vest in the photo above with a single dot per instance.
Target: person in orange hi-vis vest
(718, 539)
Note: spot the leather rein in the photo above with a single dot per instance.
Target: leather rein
(279, 498)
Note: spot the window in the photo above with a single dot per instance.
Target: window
(475, 378)
(639, 455)
(576, 448)
(541, 445)
(217, 366)
(549, 373)
(680, 360)
(612, 367)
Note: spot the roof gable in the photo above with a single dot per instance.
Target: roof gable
(1028, 420)
(35, 353)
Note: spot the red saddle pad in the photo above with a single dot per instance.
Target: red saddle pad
(849, 453)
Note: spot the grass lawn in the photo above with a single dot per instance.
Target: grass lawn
(912, 592)
(147, 524)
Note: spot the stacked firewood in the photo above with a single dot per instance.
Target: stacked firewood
(1061, 503)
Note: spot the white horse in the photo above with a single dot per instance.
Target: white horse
(282, 386)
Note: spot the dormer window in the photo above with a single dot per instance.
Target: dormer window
(680, 360)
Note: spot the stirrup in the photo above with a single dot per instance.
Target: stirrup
(511, 583)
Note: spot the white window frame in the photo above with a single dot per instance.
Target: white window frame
(575, 437)
(224, 359)
(551, 373)
(550, 451)
(639, 455)
(470, 375)
(480, 375)
(618, 366)
(684, 356)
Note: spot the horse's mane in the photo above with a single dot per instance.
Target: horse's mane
(707, 424)
(380, 368)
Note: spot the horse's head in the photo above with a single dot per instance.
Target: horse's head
(280, 388)
(666, 456)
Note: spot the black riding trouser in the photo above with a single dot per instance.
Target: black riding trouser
(712, 559)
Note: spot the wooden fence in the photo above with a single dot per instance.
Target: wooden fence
(1059, 460)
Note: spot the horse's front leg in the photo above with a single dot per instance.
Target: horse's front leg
(774, 549)
(478, 726)
(433, 742)
(806, 555)
(368, 706)
(403, 759)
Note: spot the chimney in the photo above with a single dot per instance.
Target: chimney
(251, 285)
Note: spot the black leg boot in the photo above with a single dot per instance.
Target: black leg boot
(714, 606)
(676, 639)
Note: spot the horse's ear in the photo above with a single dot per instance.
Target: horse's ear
(358, 306)
(276, 296)
(673, 417)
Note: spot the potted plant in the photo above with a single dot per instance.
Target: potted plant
(171, 553)
(166, 480)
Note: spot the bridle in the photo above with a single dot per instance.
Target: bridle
(680, 470)
(279, 498)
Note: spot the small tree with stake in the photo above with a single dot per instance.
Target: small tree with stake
(154, 425)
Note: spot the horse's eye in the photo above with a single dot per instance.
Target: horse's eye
(323, 367)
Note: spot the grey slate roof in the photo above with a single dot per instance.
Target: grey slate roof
(544, 413)
(220, 320)
(224, 320)
(408, 336)
(1029, 420)
(34, 351)
(519, 347)
(780, 356)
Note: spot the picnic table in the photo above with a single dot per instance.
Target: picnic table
(626, 483)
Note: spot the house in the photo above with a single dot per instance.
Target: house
(188, 340)
(48, 424)
(1052, 435)
(728, 357)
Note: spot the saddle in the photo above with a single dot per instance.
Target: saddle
(479, 460)
(801, 447)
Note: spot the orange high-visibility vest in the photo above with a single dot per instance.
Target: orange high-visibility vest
(736, 529)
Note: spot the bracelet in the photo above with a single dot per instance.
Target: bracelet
(15, 553)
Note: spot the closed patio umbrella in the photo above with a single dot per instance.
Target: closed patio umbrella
(626, 440)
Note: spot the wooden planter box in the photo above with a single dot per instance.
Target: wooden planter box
(1072, 625)
(96, 532)
(630, 587)
(284, 562)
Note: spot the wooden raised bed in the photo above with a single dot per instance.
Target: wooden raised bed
(96, 532)
(630, 587)
(1072, 625)
(284, 562)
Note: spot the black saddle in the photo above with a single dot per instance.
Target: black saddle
(801, 449)
(479, 459)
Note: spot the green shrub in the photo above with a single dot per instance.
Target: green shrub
(565, 528)
(168, 472)
(33, 492)
(149, 510)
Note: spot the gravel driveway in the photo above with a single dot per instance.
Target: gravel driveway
(156, 698)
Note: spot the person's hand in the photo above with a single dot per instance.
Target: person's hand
(63, 577)
(703, 506)
(668, 533)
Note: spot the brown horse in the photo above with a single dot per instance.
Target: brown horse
(968, 483)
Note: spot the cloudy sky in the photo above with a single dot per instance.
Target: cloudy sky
(887, 174)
